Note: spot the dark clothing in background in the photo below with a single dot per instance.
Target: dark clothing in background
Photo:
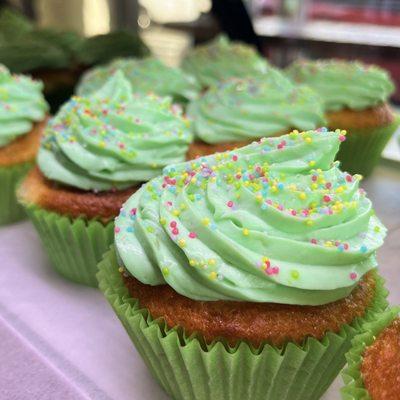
(234, 19)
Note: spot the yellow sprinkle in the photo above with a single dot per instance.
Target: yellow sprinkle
(377, 228)
(183, 206)
(311, 163)
(309, 222)
(205, 221)
(176, 213)
(328, 243)
(192, 262)
(194, 180)
(302, 196)
(340, 189)
(265, 259)
(120, 270)
(212, 275)
(259, 198)
(163, 221)
(181, 242)
(274, 189)
(150, 229)
(165, 271)
(211, 261)
(246, 232)
(314, 186)
(102, 143)
(308, 140)
(294, 274)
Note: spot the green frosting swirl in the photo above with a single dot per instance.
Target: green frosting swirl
(221, 59)
(21, 105)
(265, 105)
(344, 84)
(146, 75)
(112, 139)
(275, 221)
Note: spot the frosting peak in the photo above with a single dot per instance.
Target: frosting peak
(275, 221)
(243, 109)
(221, 59)
(21, 105)
(145, 75)
(343, 83)
(112, 139)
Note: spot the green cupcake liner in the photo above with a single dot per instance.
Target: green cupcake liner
(10, 209)
(362, 149)
(354, 386)
(187, 368)
(74, 246)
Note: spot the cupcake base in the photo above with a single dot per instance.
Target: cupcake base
(354, 388)
(74, 246)
(368, 132)
(188, 368)
(10, 210)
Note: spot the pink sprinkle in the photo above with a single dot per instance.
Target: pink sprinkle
(133, 211)
(230, 203)
(293, 212)
(234, 157)
(349, 178)
(346, 246)
(175, 231)
(306, 213)
(342, 138)
(172, 224)
(238, 176)
(121, 145)
(117, 229)
(192, 235)
(328, 185)
(280, 207)
(314, 178)
(275, 270)
(327, 199)
(313, 241)
(267, 263)
(353, 276)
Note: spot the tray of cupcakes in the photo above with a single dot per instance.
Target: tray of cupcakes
(219, 210)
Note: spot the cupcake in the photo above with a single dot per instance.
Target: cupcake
(373, 370)
(221, 59)
(95, 153)
(238, 111)
(146, 75)
(22, 113)
(246, 274)
(355, 98)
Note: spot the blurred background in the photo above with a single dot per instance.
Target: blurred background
(67, 37)
(284, 29)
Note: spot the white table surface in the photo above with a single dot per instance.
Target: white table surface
(60, 340)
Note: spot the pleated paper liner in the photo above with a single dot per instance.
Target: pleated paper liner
(74, 246)
(362, 149)
(10, 209)
(187, 368)
(354, 387)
